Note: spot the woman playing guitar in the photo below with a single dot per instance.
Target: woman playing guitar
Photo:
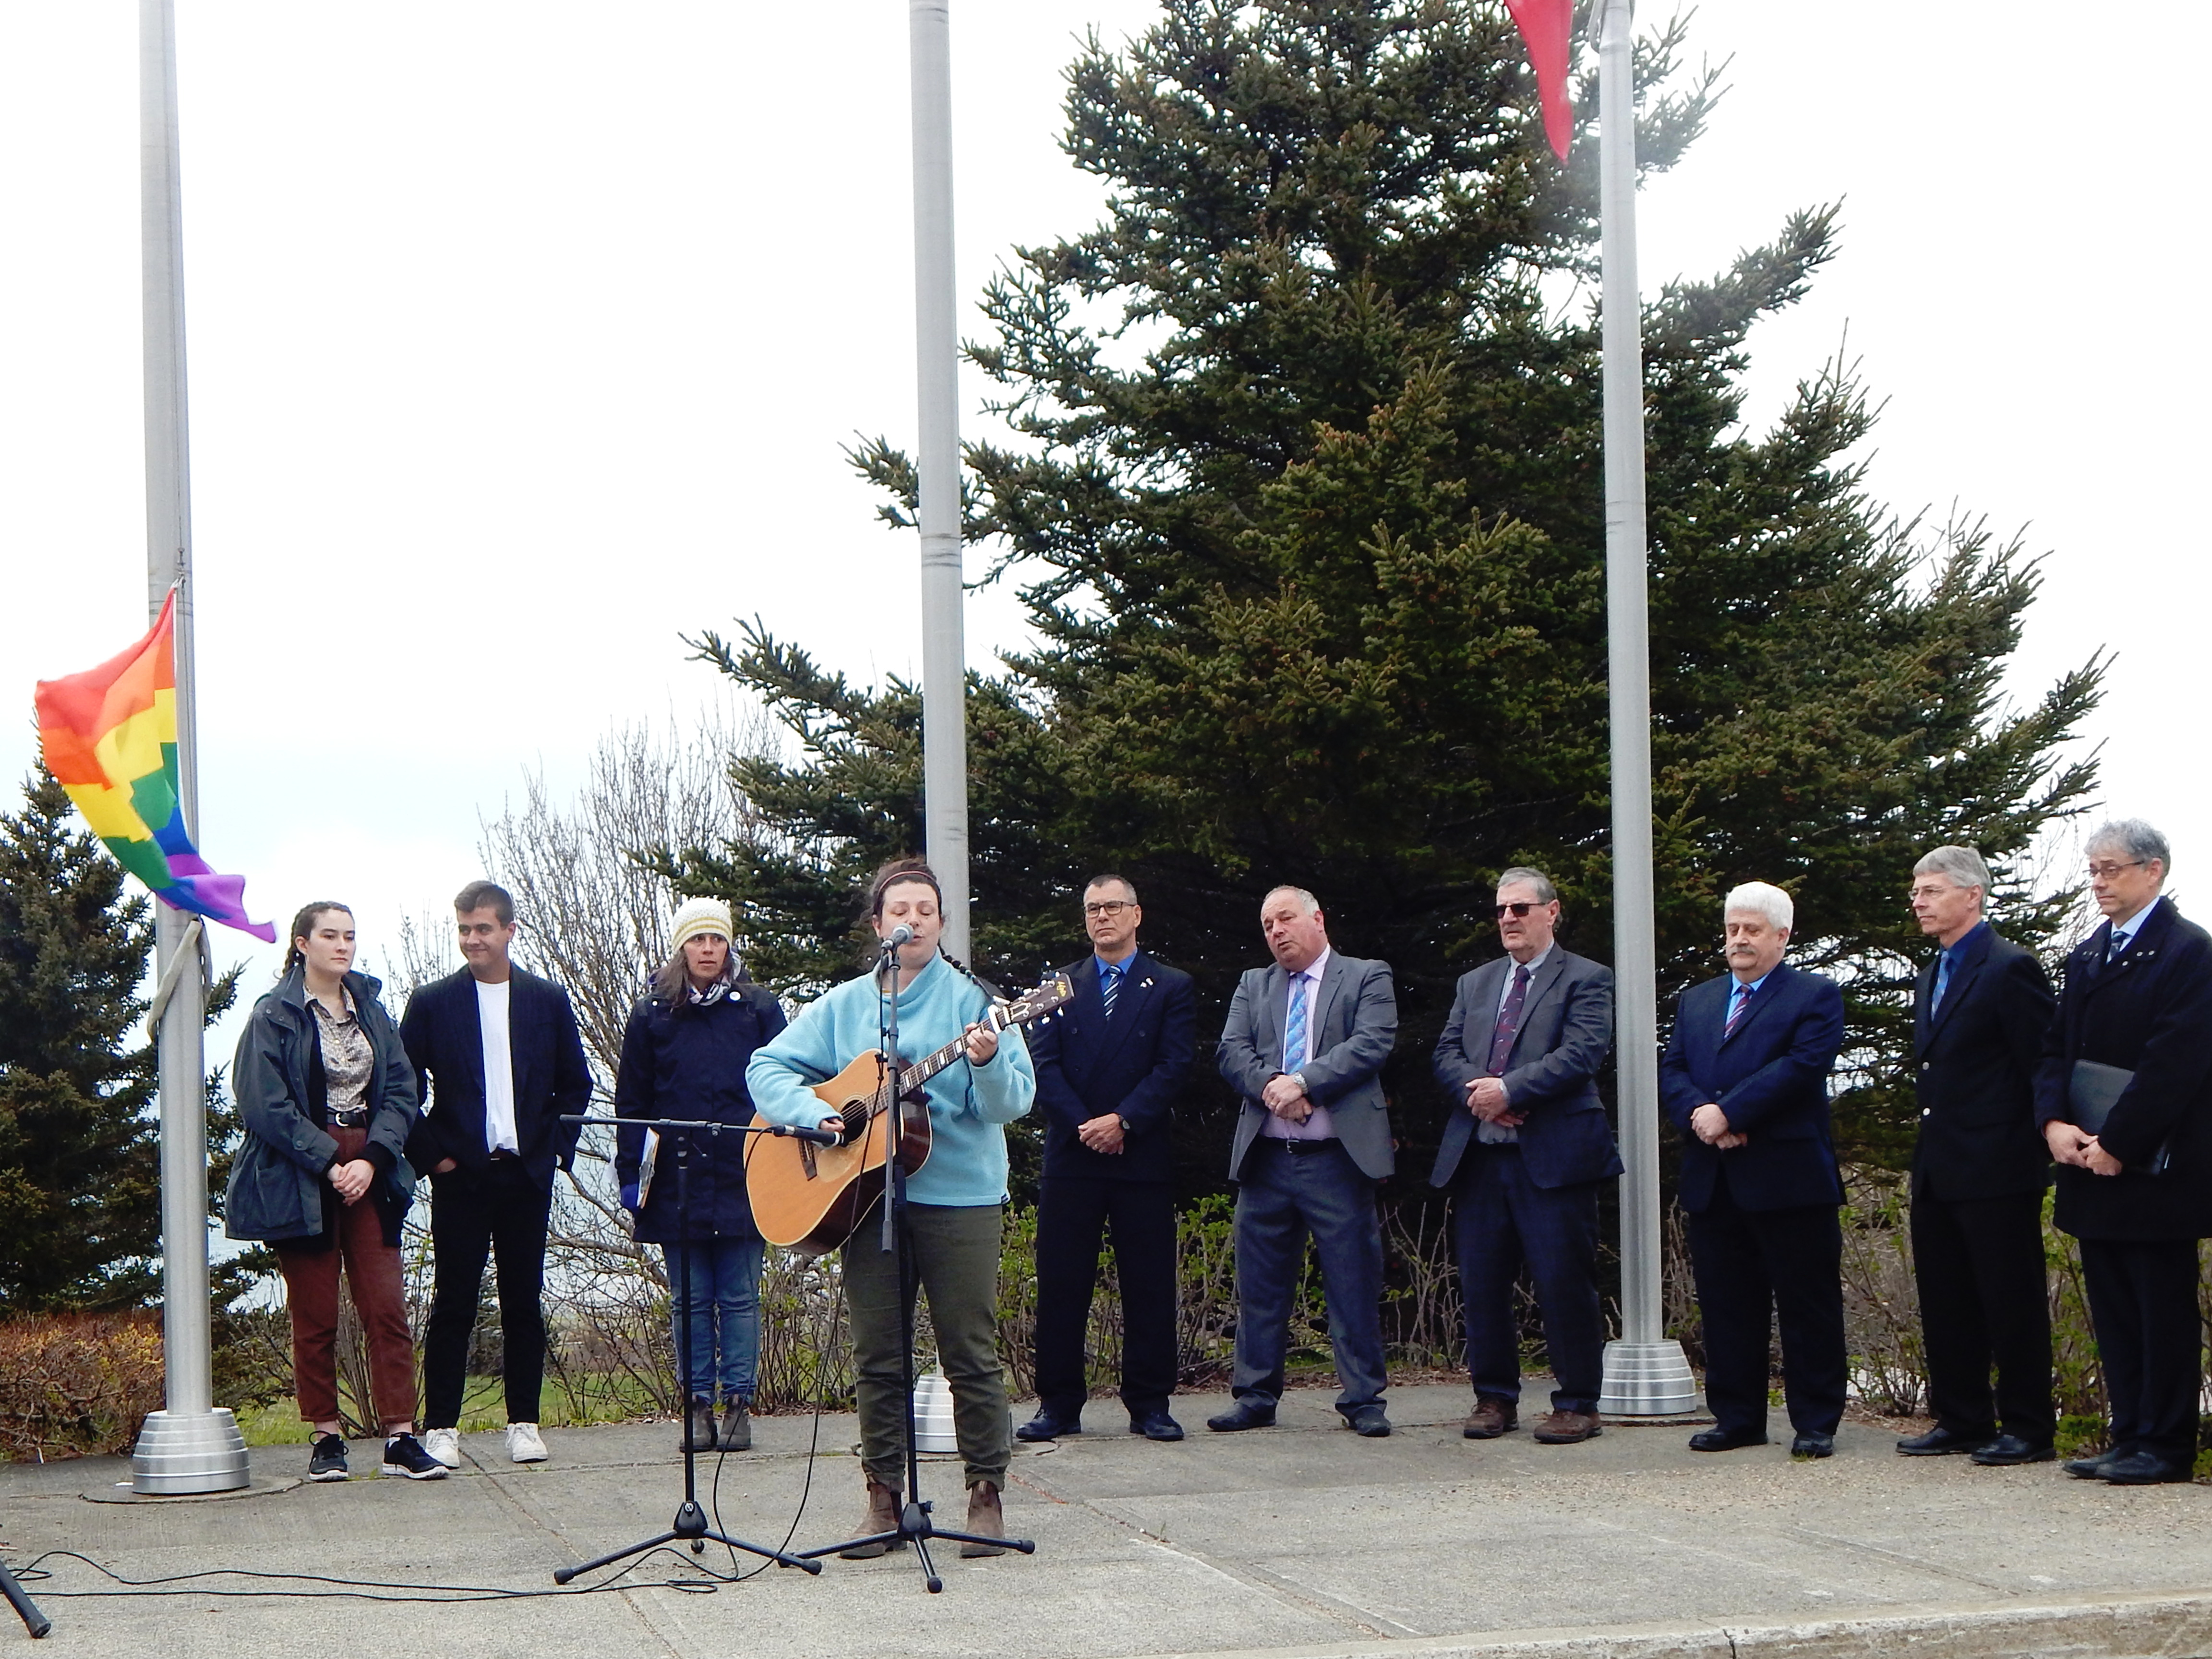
(956, 1201)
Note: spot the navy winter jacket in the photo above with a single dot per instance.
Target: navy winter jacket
(689, 1062)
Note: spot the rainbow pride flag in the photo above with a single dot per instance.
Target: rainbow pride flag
(110, 737)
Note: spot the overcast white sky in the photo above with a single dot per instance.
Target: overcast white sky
(525, 337)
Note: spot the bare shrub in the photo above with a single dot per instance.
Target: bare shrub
(77, 1385)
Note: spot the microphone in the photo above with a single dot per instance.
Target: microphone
(900, 935)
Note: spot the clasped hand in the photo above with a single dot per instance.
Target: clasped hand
(2070, 1144)
(351, 1180)
(1285, 1096)
(1485, 1098)
(1710, 1125)
(1102, 1133)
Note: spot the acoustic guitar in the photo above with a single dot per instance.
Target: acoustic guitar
(809, 1199)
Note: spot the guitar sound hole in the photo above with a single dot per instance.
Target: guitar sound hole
(855, 1116)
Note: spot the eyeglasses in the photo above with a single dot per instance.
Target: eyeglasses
(2106, 871)
(1107, 907)
(1519, 908)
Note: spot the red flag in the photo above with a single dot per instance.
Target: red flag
(1547, 27)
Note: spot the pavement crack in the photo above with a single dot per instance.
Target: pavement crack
(1919, 1563)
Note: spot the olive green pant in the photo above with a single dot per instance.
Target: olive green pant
(953, 1252)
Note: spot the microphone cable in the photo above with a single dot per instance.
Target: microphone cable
(393, 1590)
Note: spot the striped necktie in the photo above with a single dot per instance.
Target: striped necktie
(1735, 1014)
(2120, 943)
(1294, 1028)
(1109, 985)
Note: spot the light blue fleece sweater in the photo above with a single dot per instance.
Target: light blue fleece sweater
(967, 1104)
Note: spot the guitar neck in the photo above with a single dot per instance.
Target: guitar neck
(930, 1065)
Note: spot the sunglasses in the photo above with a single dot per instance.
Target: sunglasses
(1519, 908)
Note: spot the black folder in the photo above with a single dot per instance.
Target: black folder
(2091, 1092)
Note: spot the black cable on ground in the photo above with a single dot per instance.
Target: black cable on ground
(375, 1589)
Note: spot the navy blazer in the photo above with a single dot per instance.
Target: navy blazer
(1136, 1064)
(445, 1040)
(2150, 1013)
(1770, 1077)
(1974, 1061)
(1551, 1071)
(1354, 1024)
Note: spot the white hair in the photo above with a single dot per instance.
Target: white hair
(1761, 898)
(1306, 898)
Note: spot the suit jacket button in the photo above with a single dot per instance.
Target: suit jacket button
(1924, 1111)
(1925, 1064)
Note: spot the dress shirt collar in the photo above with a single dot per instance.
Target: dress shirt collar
(1505, 989)
(2133, 925)
(1311, 972)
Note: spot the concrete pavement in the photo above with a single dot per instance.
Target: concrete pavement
(1302, 1539)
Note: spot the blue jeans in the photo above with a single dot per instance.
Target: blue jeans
(726, 1275)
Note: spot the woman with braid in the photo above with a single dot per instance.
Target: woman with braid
(956, 1201)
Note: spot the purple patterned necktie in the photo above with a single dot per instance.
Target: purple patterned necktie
(1509, 1020)
(1735, 1014)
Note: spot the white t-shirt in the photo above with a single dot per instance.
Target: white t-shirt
(499, 1066)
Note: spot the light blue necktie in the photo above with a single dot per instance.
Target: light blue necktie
(1294, 1028)
(1943, 981)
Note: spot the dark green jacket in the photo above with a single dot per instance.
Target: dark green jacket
(279, 1188)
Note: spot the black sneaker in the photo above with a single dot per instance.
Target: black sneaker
(403, 1455)
(329, 1462)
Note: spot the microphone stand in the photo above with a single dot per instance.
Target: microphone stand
(34, 1621)
(691, 1522)
(914, 1526)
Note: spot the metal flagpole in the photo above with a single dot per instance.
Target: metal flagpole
(193, 1445)
(937, 344)
(1646, 1374)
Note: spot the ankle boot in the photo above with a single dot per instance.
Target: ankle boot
(737, 1430)
(699, 1426)
(985, 1519)
(883, 1516)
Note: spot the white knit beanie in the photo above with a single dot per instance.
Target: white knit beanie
(696, 917)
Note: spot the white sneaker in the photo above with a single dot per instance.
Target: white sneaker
(445, 1445)
(524, 1443)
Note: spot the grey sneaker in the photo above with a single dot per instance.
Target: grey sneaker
(737, 1433)
(445, 1445)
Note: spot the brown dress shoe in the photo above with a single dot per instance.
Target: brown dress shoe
(883, 1516)
(1490, 1419)
(1566, 1428)
(985, 1519)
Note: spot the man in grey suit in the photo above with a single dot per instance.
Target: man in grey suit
(1304, 1045)
(1524, 1154)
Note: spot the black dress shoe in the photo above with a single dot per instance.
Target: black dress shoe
(2144, 1468)
(1048, 1426)
(1155, 1426)
(2009, 1449)
(1809, 1444)
(1720, 1439)
(1368, 1420)
(1242, 1415)
(1940, 1442)
(2092, 1469)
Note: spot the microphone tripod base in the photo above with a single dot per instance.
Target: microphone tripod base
(917, 1528)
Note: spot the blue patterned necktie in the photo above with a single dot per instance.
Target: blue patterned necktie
(2120, 943)
(1943, 981)
(1109, 984)
(1294, 1028)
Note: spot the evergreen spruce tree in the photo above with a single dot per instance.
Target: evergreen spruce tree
(1307, 507)
(80, 1177)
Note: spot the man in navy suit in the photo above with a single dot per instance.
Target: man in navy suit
(1110, 1068)
(1980, 1170)
(2137, 999)
(1524, 1154)
(1744, 1078)
(503, 1061)
(1304, 1044)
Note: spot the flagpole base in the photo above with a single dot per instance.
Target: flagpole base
(181, 1453)
(1647, 1379)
